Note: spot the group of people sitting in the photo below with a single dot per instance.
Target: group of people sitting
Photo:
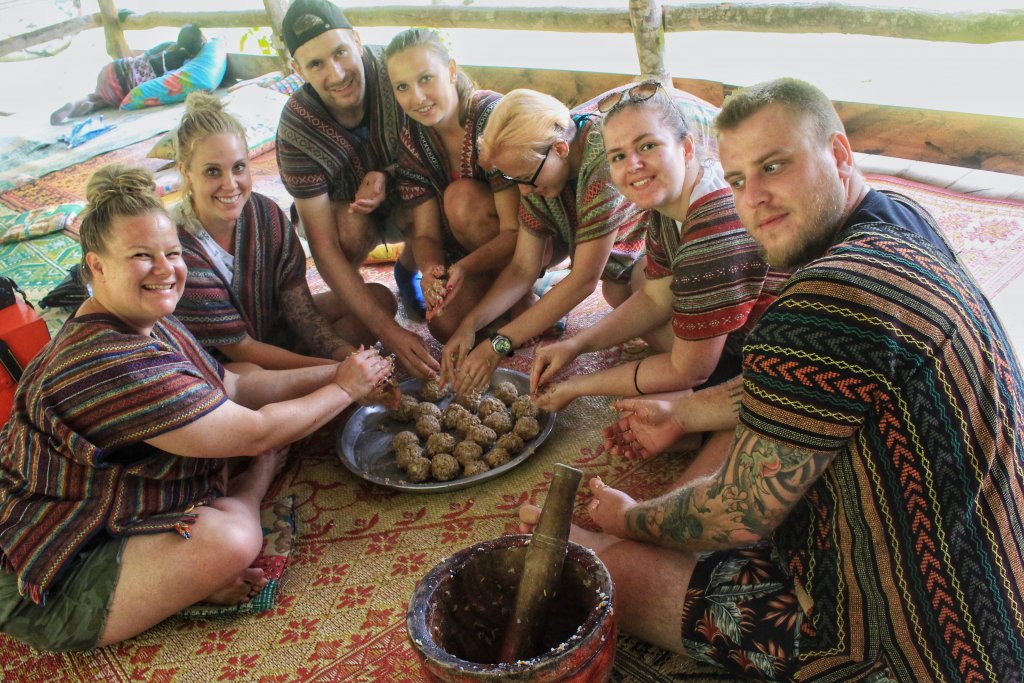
(854, 509)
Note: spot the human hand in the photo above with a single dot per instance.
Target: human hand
(548, 361)
(454, 353)
(370, 194)
(554, 397)
(645, 428)
(410, 350)
(456, 276)
(435, 286)
(609, 508)
(476, 370)
(361, 372)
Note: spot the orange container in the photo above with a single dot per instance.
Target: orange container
(25, 333)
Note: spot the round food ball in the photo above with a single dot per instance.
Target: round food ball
(431, 390)
(474, 468)
(444, 467)
(405, 455)
(524, 407)
(470, 401)
(497, 457)
(468, 451)
(506, 392)
(423, 408)
(527, 428)
(403, 412)
(440, 443)
(511, 442)
(501, 422)
(484, 436)
(404, 438)
(418, 470)
(427, 425)
(452, 415)
(490, 405)
(467, 422)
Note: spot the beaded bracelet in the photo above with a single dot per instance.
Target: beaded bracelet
(636, 371)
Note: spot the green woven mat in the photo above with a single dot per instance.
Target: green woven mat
(38, 265)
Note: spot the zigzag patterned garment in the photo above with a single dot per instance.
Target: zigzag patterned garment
(268, 260)
(317, 155)
(423, 163)
(910, 544)
(73, 459)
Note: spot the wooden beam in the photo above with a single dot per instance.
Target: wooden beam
(225, 19)
(647, 19)
(65, 29)
(117, 46)
(276, 10)
(960, 27)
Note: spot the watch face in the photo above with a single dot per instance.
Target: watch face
(502, 345)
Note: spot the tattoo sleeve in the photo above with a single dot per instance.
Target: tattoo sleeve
(308, 323)
(756, 488)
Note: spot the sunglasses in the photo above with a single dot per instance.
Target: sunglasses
(532, 182)
(638, 93)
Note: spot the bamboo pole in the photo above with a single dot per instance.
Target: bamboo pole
(647, 19)
(276, 10)
(64, 29)
(960, 27)
(117, 46)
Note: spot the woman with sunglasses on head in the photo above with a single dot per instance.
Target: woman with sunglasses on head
(464, 224)
(706, 283)
(569, 207)
(116, 506)
(247, 298)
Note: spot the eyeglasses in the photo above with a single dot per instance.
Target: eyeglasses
(532, 182)
(638, 93)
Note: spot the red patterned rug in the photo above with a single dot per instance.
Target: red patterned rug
(340, 613)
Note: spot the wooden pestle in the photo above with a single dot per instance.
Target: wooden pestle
(542, 567)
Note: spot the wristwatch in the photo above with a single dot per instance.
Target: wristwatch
(502, 345)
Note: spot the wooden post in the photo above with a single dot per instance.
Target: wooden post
(117, 46)
(647, 19)
(275, 14)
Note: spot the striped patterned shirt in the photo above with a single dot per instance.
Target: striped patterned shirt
(73, 459)
(720, 283)
(317, 155)
(910, 546)
(268, 260)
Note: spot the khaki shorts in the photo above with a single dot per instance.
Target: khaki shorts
(75, 611)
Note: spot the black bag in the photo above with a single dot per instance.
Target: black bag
(8, 291)
(70, 293)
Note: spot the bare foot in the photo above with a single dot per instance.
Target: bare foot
(239, 590)
(529, 515)
(259, 472)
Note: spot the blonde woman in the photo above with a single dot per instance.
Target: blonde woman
(569, 206)
(247, 296)
(464, 221)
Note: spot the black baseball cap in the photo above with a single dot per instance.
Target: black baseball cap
(307, 19)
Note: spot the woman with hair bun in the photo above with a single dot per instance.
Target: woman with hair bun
(116, 510)
(464, 222)
(247, 298)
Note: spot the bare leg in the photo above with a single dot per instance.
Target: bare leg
(638, 571)
(347, 325)
(163, 573)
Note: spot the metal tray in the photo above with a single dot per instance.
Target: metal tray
(364, 444)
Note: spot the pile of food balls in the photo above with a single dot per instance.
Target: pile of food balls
(471, 435)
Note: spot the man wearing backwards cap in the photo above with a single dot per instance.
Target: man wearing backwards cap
(336, 144)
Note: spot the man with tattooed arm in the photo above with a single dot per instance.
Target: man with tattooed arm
(864, 519)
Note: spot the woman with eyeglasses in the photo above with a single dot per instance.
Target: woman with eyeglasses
(706, 283)
(464, 223)
(569, 207)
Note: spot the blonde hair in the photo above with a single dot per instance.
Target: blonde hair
(204, 116)
(114, 191)
(525, 122)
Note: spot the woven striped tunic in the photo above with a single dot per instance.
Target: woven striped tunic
(910, 547)
(74, 464)
(424, 165)
(317, 155)
(720, 283)
(268, 260)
